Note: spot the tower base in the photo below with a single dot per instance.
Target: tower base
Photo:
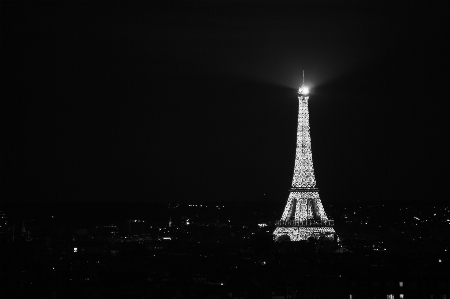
(302, 233)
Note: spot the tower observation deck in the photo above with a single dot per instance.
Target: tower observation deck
(303, 216)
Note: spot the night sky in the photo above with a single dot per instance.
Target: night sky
(173, 102)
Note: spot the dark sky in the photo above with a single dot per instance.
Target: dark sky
(197, 102)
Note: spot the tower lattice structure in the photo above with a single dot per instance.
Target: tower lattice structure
(304, 215)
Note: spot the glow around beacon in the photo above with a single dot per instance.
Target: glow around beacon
(304, 90)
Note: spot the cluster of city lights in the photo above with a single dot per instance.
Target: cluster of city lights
(303, 205)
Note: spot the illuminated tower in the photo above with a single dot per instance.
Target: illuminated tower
(303, 216)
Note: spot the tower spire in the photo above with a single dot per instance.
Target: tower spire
(303, 90)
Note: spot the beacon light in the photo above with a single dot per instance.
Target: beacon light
(303, 90)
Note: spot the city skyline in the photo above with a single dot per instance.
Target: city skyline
(198, 102)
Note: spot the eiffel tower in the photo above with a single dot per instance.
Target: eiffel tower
(303, 216)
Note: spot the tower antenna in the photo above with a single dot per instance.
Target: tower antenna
(303, 77)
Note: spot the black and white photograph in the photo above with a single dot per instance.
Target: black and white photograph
(224, 149)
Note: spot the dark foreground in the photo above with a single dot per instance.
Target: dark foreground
(209, 252)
